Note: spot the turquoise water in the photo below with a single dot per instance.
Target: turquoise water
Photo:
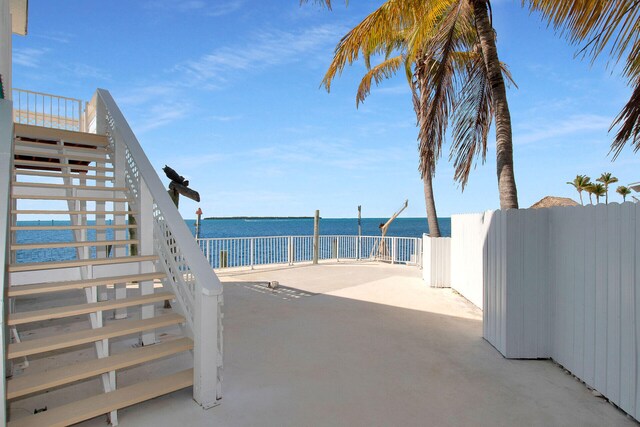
(403, 227)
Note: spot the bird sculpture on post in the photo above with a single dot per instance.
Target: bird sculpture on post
(178, 185)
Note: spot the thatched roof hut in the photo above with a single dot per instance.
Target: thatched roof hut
(552, 201)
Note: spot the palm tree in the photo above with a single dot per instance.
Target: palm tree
(606, 178)
(589, 188)
(580, 182)
(613, 26)
(623, 191)
(598, 190)
(432, 24)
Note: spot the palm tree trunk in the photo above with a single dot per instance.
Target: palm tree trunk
(432, 217)
(580, 194)
(504, 143)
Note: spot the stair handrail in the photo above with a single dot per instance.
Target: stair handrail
(196, 286)
(6, 169)
(181, 233)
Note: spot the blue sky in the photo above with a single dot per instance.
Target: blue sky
(227, 93)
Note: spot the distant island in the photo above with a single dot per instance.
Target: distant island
(259, 217)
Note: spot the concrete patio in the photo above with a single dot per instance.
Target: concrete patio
(369, 345)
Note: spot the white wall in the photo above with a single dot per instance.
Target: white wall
(563, 283)
(468, 240)
(5, 47)
(436, 261)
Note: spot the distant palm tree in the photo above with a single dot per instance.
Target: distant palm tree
(606, 178)
(589, 189)
(597, 190)
(580, 182)
(624, 192)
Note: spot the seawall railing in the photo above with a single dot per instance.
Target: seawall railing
(289, 250)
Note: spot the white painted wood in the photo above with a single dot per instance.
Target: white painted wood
(6, 159)
(436, 261)
(467, 245)
(562, 283)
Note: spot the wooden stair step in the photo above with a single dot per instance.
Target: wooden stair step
(78, 309)
(73, 227)
(71, 339)
(77, 187)
(81, 198)
(48, 165)
(65, 212)
(89, 243)
(28, 384)
(70, 147)
(42, 288)
(66, 156)
(49, 134)
(62, 175)
(94, 406)
(32, 266)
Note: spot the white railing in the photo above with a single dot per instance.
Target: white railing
(163, 231)
(6, 170)
(46, 110)
(253, 251)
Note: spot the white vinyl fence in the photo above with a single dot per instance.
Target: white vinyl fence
(254, 251)
(468, 242)
(436, 263)
(562, 283)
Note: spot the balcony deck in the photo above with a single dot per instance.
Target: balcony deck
(369, 345)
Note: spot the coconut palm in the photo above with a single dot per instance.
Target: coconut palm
(589, 188)
(597, 190)
(433, 26)
(580, 182)
(613, 26)
(606, 179)
(623, 191)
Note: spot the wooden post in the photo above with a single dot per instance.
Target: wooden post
(199, 213)
(316, 236)
(359, 232)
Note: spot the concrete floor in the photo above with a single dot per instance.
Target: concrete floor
(369, 345)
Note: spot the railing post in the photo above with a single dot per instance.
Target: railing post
(394, 247)
(253, 251)
(6, 170)
(145, 247)
(316, 236)
(290, 250)
(207, 351)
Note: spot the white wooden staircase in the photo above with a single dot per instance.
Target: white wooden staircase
(87, 286)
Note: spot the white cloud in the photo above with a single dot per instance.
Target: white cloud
(266, 49)
(220, 8)
(144, 94)
(28, 57)
(572, 125)
(161, 115)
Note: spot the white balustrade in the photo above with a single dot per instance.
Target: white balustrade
(228, 252)
(196, 287)
(46, 110)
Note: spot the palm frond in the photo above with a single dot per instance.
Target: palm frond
(382, 71)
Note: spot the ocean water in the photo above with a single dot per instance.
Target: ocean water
(401, 227)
